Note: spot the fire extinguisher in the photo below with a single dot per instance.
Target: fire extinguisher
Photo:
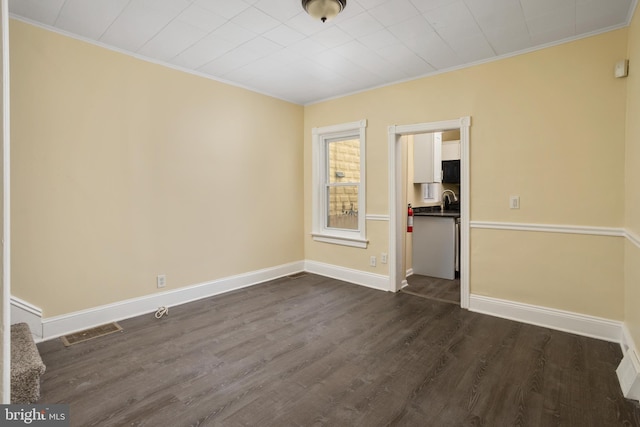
(410, 220)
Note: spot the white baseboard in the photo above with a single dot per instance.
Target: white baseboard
(629, 368)
(56, 326)
(575, 323)
(358, 277)
(629, 375)
(23, 312)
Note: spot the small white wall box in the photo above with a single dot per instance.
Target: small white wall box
(621, 69)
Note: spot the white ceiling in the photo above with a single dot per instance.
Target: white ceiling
(274, 47)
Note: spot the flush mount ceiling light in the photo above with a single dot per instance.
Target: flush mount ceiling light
(324, 9)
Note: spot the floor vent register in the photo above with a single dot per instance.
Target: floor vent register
(88, 334)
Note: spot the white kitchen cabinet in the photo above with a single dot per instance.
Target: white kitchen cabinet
(427, 158)
(450, 150)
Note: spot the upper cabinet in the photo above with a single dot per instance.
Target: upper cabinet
(427, 158)
(450, 150)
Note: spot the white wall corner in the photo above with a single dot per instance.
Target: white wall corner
(629, 368)
(357, 277)
(24, 312)
(629, 375)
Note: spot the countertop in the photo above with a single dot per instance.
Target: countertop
(435, 212)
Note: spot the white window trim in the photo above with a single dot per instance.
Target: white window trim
(320, 232)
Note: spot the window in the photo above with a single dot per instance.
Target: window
(339, 184)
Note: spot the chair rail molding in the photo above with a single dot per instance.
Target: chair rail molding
(550, 228)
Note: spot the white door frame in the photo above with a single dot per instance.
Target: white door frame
(397, 273)
(5, 282)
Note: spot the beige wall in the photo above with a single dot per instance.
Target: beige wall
(632, 187)
(123, 170)
(547, 126)
(571, 272)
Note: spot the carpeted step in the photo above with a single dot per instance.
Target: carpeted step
(26, 366)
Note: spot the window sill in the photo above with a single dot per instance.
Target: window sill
(341, 240)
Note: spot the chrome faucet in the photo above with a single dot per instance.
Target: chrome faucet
(445, 193)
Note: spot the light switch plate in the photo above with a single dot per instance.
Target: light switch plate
(514, 202)
(621, 68)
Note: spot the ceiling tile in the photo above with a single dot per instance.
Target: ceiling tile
(89, 19)
(262, 46)
(305, 24)
(412, 28)
(284, 35)
(331, 37)
(552, 35)
(255, 20)
(173, 39)
(593, 15)
(172, 7)
(562, 20)
(393, 11)
(225, 8)
(356, 53)
(471, 48)
(402, 57)
(285, 56)
(453, 21)
(202, 18)
(233, 33)
(307, 47)
(315, 71)
(434, 51)
(536, 8)
(254, 72)
(202, 52)
(344, 67)
(229, 62)
(496, 13)
(366, 4)
(360, 25)
(353, 8)
(135, 26)
(509, 38)
(37, 10)
(281, 10)
(428, 5)
(379, 39)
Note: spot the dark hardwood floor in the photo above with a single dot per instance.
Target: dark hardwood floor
(319, 352)
(433, 288)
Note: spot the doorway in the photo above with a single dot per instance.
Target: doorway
(397, 201)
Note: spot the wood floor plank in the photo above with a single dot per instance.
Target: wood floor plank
(319, 352)
(434, 288)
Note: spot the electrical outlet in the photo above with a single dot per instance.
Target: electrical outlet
(161, 280)
(383, 258)
(514, 202)
(372, 261)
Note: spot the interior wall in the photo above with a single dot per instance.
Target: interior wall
(632, 183)
(548, 126)
(124, 170)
